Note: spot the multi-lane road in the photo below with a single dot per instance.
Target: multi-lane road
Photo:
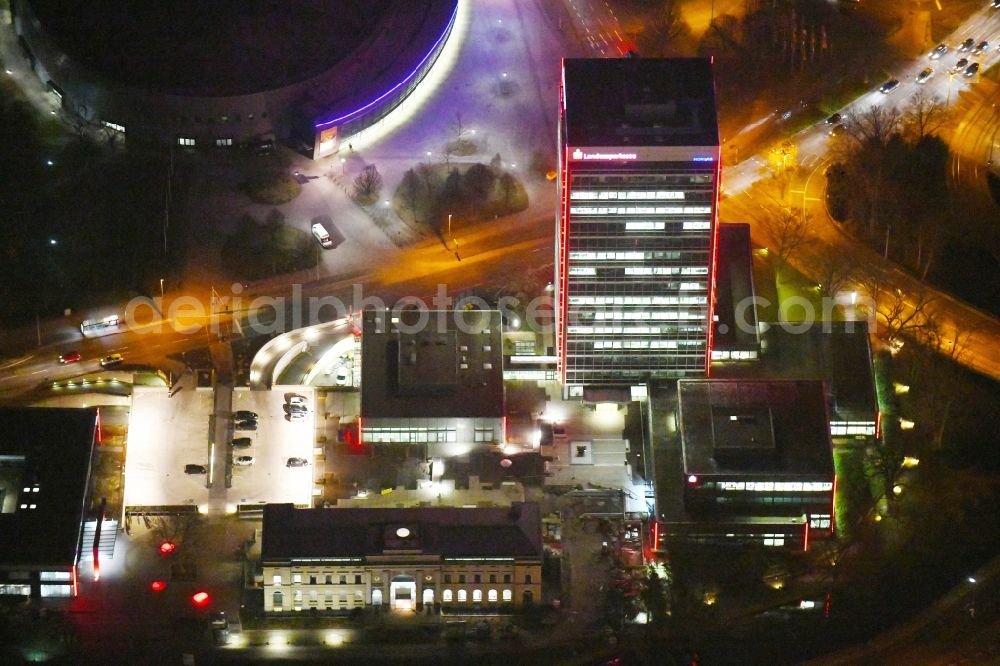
(495, 254)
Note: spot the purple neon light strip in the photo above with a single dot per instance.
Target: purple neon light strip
(416, 69)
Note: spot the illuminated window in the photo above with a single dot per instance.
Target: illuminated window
(491, 595)
(55, 575)
(276, 579)
(477, 596)
(296, 578)
(461, 596)
(182, 141)
(223, 142)
(446, 596)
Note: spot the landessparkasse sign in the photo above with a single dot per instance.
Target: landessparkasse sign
(645, 154)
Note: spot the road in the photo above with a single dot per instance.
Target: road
(976, 333)
(495, 254)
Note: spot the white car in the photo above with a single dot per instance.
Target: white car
(297, 400)
(322, 235)
(243, 461)
(296, 417)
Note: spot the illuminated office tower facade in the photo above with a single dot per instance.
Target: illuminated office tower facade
(639, 174)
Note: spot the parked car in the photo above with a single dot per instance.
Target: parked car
(242, 443)
(296, 417)
(938, 51)
(246, 425)
(296, 462)
(967, 45)
(195, 469)
(322, 235)
(297, 400)
(292, 409)
(971, 70)
(925, 75)
(243, 461)
(245, 415)
(69, 357)
(888, 86)
(111, 359)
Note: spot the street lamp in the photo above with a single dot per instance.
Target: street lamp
(161, 290)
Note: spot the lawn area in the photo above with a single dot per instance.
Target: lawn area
(271, 187)
(853, 492)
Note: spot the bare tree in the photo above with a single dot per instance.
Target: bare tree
(368, 185)
(458, 128)
(899, 314)
(788, 229)
(925, 115)
(834, 270)
(874, 124)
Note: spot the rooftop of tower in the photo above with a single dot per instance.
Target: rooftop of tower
(640, 102)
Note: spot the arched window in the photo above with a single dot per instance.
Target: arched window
(446, 596)
(461, 596)
(477, 596)
(491, 595)
(507, 596)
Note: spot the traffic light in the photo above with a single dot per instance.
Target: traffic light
(167, 547)
(157, 586)
(200, 599)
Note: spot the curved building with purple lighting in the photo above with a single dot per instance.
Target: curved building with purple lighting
(312, 72)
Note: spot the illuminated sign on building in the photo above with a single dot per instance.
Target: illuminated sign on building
(580, 155)
(703, 158)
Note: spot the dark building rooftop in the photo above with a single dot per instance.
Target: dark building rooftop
(291, 533)
(640, 102)
(226, 47)
(442, 369)
(838, 353)
(51, 450)
(754, 426)
(736, 323)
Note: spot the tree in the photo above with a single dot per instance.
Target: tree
(478, 181)
(368, 185)
(508, 186)
(898, 314)
(834, 270)
(925, 115)
(409, 190)
(789, 229)
(875, 124)
(458, 128)
(655, 599)
(496, 162)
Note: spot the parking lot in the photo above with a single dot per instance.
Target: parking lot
(165, 434)
(276, 440)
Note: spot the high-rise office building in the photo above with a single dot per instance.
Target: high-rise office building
(639, 167)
